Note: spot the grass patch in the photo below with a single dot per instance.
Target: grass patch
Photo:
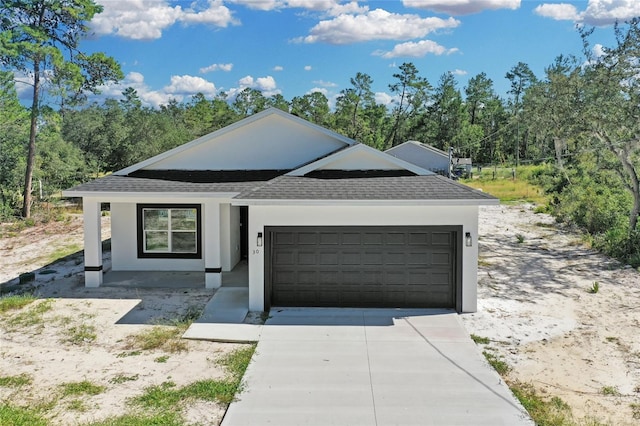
(15, 381)
(62, 252)
(18, 416)
(610, 391)
(77, 405)
(544, 412)
(510, 191)
(127, 354)
(500, 366)
(635, 411)
(595, 287)
(81, 388)
(161, 359)
(12, 303)
(80, 334)
(480, 340)
(168, 396)
(159, 337)
(156, 419)
(30, 317)
(121, 378)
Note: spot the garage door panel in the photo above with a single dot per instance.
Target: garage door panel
(362, 267)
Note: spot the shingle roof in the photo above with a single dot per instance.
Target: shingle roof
(115, 183)
(431, 187)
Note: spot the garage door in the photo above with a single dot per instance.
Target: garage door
(398, 267)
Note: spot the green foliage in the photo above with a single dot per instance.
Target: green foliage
(480, 340)
(499, 365)
(168, 418)
(81, 388)
(14, 302)
(11, 415)
(159, 337)
(34, 316)
(543, 411)
(595, 287)
(167, 395)
(15, 381)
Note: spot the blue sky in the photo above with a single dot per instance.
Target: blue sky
(174, 49)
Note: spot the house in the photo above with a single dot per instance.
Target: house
(320, 219)
(423, 155)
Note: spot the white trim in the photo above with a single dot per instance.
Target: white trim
(230, 128)
(352, 150)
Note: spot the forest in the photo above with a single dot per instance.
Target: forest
(577, 126)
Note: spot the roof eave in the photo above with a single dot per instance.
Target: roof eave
(387, 202)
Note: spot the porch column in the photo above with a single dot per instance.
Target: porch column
(211, 236)
(92, 242)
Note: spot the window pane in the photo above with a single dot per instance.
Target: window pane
(156, 241)
(183, 219)
(183, 242)
(156, 219)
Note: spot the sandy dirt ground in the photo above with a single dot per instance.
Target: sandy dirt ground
(48, 352)
(534, 304)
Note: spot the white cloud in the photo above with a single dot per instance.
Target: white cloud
(597, 13)
(375, 25)
(179, 88)
(216, 67)
(189, 85)
(267, 85)
(278, 68)
(462, 7)
(146, 19)
(308, 68)
(323, 83)
(559, 11)
(416, 49)
(459, 72)
(329, 7)
(383, 98)
(319, 90)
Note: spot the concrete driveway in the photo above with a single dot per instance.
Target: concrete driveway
(378, 367)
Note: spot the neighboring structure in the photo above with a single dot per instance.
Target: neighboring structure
(462, 166)
(321, 219)
(422, 155)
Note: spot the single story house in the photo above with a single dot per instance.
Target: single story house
(320, 219)
(423, 155)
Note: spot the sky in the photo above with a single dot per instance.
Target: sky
(174, 49)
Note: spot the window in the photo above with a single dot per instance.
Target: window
(169, 231)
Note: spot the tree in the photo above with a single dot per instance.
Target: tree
(412, 93)
(14, 125)
(611, 110)
(249, 102)
(313, 106)
(352, 104)
(521, 77)
(41, 37)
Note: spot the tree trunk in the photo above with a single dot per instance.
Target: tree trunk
(31, 156)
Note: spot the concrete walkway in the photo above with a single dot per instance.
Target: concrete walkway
(370, 367)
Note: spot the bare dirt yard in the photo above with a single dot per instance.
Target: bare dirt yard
(81, 355)
(563, 317)
(537, 305)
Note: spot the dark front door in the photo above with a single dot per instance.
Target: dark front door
(391, 266)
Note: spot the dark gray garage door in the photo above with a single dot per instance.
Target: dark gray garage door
(400, 267)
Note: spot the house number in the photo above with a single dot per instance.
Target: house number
(256, 251)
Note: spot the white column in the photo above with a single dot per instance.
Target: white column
(92, 242)
(211, 243)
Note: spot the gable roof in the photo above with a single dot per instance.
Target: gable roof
(421, 145)
(430, 189)
(334, 142)
(359, 157)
